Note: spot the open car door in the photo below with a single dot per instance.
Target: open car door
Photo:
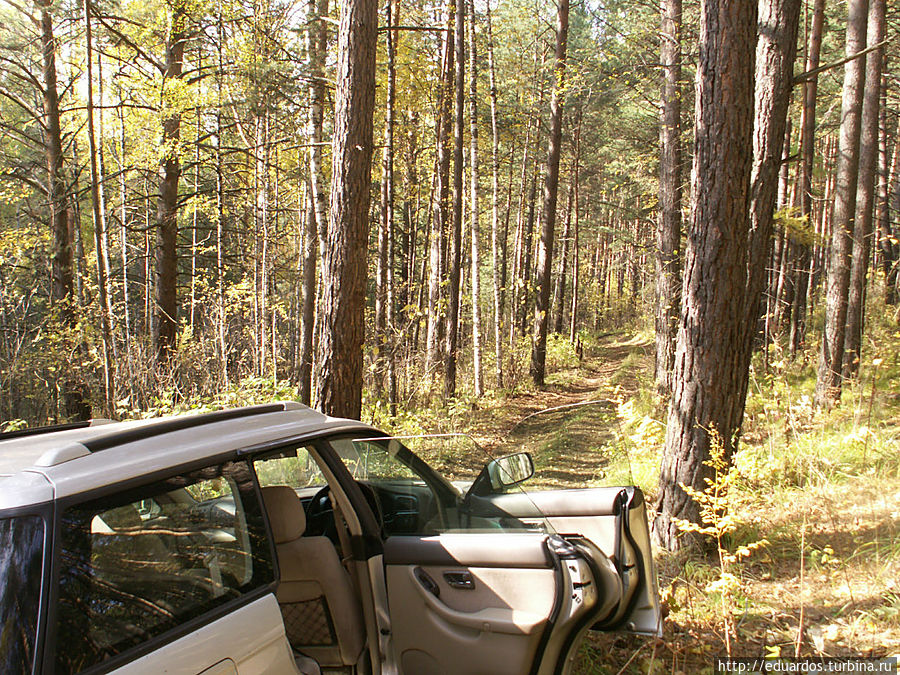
(580, 440)
(479, 581)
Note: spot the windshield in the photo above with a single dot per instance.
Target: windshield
(421, 485)
(21, 560)
(577, 445)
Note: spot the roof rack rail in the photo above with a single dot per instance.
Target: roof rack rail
(107, 441)
(49, 429)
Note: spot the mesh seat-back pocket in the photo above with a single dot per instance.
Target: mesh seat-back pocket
(308, 623)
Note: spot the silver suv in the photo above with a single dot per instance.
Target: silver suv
(276, 539)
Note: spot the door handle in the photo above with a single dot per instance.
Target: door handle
(461, 580)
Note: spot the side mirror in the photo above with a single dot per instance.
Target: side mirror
(499, 474)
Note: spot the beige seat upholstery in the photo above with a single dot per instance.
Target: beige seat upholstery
(322, 616)
(122, 549)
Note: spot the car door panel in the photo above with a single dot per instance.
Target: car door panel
(495, 624)
(264, 649)
(615, 521)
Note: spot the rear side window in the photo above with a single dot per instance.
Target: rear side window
(21, 558)
(138, 564)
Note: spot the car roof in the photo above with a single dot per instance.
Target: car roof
(82, 459)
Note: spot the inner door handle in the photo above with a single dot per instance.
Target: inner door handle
(461, 580)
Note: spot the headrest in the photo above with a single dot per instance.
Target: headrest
(286, 515)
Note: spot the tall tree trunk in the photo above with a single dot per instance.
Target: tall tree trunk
(62, 286)
(529, 244)
(167, 203)
(559, 292)
(261, 233)
(807, 156)
(865, 191)
(100, 239)
(775, 51)
(473, 203)
(709, 376)
(221, 319)
(518, 250)
(344, 259)
(831, 358)
(894, 192)
(668, 231)
(495, 209)
(551, 189)
(307, 299)
(573, 317)
(890, 251)
(455, 254)
(440, 202)
(315, 223)
(384, 286)
(123, 236)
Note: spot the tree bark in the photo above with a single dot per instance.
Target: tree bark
(220, 206)
(775, 51)
(890, 251)
(807, 156)
(668, 231)
(307, 299)
(551, 189)
(473, 203)
(495, 210)
(440, 203)
(573, 317)
(559, 291)
(865, 191)
(344, 259)
(383, 290)
(62, 286)
(709, 375)
(167, 203)
(455, 253)
(831, 356)
(100, 239)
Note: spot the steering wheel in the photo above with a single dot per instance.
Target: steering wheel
(320, 516)
(320, 513)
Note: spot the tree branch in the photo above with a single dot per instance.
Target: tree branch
(35, 115)
(128, 41)
(808, 75)
(36, 142)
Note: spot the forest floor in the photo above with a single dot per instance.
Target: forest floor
(815, 500)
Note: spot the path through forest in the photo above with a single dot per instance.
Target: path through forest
(598, 376)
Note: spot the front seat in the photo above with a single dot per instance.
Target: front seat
(322, 616)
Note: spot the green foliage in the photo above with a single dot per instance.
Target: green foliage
(795, 225)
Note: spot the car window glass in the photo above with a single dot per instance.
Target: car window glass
(294, 467)
(415, 499)
(21, 558)
(137, 564)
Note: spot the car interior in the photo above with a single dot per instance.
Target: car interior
(320, 597)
